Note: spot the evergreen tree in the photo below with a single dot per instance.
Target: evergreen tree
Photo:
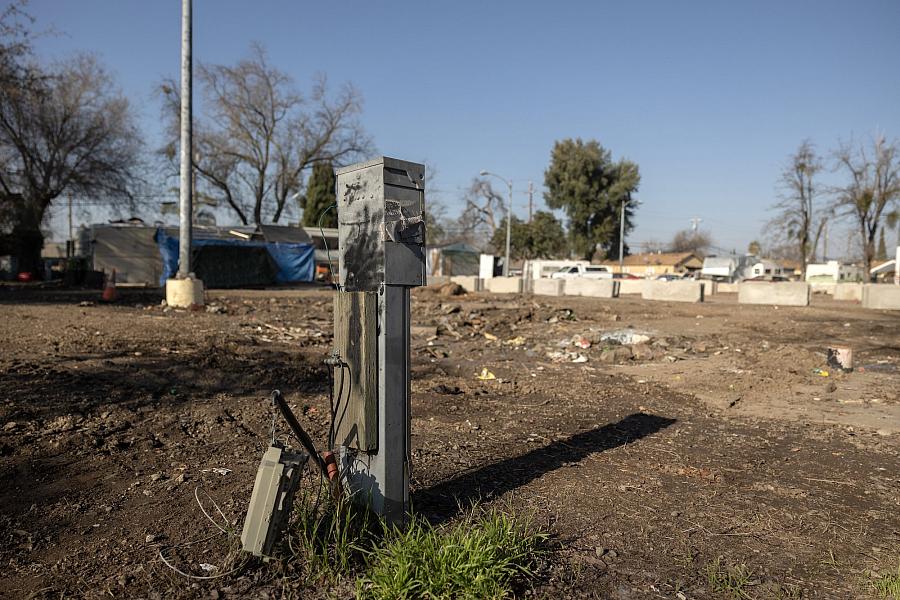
(544, 237)
(319, 196)
(882, 247)
(583, 180)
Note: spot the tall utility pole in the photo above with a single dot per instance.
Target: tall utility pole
(622, 234)
(184, 241)
(508, 183)
(530, 201)
(184, 290)
(71, 242)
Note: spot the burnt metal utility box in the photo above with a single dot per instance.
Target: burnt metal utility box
(381, 224)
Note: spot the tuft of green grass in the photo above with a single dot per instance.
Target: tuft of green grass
(479, 556)
(328, 538)
(729, 579)
(887, 585)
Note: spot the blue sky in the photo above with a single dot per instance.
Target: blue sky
(709, 98)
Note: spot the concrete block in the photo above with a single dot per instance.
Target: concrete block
(710, 288)
(470, 283)
(883, 296)
(631, 286)
(548, 287)
(727, 288)
(504, 285)
(673, 291)
(594, 288)
(184, 293)
(781, 293)
(849, 292)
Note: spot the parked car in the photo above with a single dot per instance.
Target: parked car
(625, 276)
(587, 271)
(669, 277)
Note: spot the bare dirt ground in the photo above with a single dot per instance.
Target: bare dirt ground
(714, 444)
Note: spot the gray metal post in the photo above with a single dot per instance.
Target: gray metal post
(381, 247)
(184, 238)
(622, 238)
(508, 230)
(530, 201)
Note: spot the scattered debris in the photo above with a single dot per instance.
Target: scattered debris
(490, 336)
(840, 357)
(625, 337)
(616, 354)
(516, 341)
(217, 470)
(820, 372)
(423, 331)
(485, 375)
(579, 341)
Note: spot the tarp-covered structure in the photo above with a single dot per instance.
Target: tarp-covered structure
(221, 257)
(453, 259)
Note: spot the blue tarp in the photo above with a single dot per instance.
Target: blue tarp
(295, 262)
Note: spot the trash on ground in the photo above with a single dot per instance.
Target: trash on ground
(217, 471)
(516, 341)
(580, 341)
(820, 372)
(625, 337)
(840, 357)
(486, 375)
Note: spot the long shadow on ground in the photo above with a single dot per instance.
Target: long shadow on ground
(445, 499)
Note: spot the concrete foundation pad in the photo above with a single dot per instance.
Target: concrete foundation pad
(594, 288)
(673, 291)
(184, 293)
(548, 287)
(780, 293)
(883, 296)
(849, 292)
(470, 283)
(504, 285)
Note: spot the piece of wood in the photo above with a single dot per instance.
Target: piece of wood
(356, 381)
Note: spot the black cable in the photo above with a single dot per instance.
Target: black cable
(324, 241)
(304, 438)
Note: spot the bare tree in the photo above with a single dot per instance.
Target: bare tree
(800, 220)
(260, 135)
(63, 129)
(483, 211)
(688, 240)
(872, 188)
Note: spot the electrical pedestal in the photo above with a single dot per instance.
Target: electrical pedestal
(381, 237)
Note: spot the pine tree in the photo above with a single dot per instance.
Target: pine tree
(319, 196)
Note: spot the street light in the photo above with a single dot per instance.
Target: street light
(508, 217)
(625, 202)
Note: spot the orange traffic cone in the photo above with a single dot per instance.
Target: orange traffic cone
(109, 292)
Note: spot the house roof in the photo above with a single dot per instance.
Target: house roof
(669, 259)
(885, 267)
